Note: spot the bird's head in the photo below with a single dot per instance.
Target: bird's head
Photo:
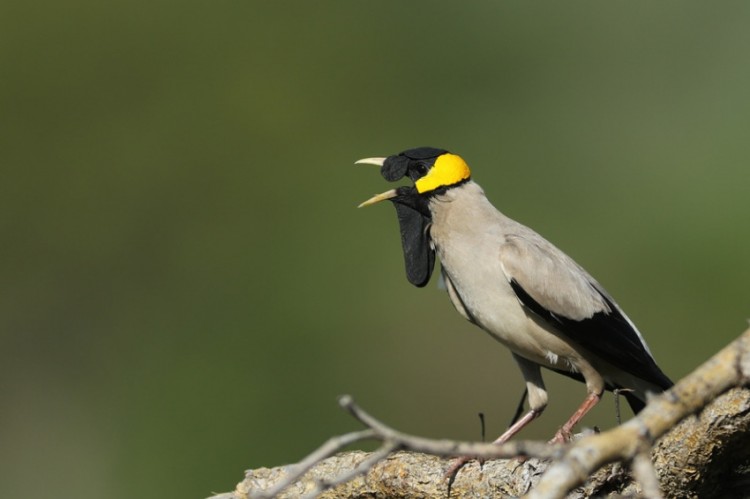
(432, 171)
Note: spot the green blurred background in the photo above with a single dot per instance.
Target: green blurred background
(186, 284)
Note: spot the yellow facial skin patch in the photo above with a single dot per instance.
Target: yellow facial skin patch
(449, 169)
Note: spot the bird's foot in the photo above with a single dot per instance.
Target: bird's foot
(562, 436)
(459, 463)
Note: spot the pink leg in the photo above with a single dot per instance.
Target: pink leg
(460, 462)
(517, 426)
(564, 433)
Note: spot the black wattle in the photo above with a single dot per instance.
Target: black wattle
(419, 257)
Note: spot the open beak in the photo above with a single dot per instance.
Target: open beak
(379, 197)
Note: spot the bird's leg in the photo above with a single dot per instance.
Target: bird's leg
(519, 409)
(537, 400)
(566, 431)
(517, 426)
(537, 396)
(460, 462)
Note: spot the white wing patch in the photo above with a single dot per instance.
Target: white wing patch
(552, 357)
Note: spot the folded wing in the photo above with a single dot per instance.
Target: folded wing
(551, 285)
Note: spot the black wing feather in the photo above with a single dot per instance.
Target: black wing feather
(608, 335)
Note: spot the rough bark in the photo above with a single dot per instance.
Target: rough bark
(704, 451)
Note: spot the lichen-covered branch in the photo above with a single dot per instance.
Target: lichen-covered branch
(708, 454)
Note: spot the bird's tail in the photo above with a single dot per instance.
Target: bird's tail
(637, 401)
(634, 402)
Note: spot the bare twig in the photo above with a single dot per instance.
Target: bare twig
(366, 465)
(723, 371)
(330, 447)
(449, 448)
(617, 392)
(394, 440)
(571, 465)
(645, 475)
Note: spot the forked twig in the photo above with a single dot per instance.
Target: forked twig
(571, 464)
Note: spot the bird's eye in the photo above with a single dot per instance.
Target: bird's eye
(421, 169)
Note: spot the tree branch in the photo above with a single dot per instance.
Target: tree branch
(702, 454)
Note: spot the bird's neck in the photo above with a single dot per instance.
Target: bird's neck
(464, 209)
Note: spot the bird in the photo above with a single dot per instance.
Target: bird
(514, 284)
